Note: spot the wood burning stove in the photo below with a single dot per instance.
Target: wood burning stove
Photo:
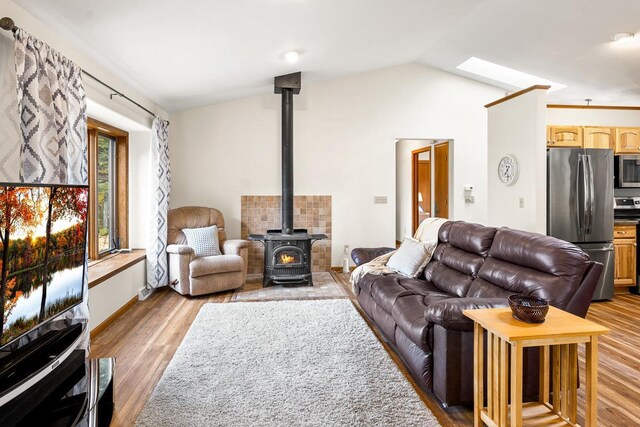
(287, 252)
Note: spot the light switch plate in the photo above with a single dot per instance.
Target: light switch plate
(380, 199)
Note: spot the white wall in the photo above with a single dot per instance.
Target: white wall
(139, 189)
(113, 293)
(404, 218)
(593, 117)
(344, 135)
(518, 126)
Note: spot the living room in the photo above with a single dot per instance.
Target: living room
(295, 116)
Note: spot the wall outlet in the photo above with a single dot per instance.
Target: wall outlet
(469, 199)
(380, 199)
(521, 202)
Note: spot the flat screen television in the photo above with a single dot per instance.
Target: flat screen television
(43, 239)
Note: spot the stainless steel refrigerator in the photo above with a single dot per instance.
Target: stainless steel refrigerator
(580, 205)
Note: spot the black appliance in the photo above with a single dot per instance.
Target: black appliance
(287, 252)
(627, 171)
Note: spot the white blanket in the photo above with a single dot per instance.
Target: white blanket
(427, 232)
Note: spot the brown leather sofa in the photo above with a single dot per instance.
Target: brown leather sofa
(472, 267)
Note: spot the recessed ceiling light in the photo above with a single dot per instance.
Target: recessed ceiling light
(292, 56)
(622, 37)
(506, 75)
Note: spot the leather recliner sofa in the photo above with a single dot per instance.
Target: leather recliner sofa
(473, 266)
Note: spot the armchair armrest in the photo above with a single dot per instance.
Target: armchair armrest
(232, 247)
(448, 313)
(238, 247)
(180, 249)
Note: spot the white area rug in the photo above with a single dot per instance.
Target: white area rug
(285, 363)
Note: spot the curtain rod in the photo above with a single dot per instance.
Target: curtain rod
(8, 25)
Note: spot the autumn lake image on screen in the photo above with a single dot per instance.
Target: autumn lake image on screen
(42, 254)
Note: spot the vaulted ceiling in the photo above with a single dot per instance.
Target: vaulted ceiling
(188, 53)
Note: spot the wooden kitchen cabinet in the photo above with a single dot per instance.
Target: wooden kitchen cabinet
(627, 140)
(598, 137)
(624, 244)
(564, 136)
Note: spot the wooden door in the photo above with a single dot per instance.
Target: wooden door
(441, 180)
(627, 140)
(420, 186)
(564, 136)
(424, 189)
(598, 137)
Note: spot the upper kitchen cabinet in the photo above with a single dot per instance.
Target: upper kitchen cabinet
(598, 137)
(627, 140)
(564, 136)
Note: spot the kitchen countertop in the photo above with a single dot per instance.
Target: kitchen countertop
(625, 222)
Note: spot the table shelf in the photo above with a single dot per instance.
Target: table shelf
(535, 414)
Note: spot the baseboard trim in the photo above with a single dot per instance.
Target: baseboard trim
(109, 320)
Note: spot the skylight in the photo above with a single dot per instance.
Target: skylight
(506, 75)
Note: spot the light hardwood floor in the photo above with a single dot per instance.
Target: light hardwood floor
(145, 338)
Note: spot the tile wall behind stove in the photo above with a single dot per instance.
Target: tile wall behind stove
(262, 213)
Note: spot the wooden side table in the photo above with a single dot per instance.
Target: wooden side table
(559, 335)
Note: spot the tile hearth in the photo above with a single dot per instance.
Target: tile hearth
(324, 287)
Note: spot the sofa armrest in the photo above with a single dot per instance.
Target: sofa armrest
(180, 250)
(232, 247)
(363, 255)
(448, 313)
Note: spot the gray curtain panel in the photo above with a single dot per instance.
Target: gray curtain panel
(52, 115)
(157, 263)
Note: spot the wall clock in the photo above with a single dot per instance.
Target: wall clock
(508, 169)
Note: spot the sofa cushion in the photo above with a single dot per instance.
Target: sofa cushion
(408, 313)
(385, 292)
(459, 256)
(531, 264)
(215, 264)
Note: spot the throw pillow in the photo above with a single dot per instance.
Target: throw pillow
(204, 240)
(412, 257)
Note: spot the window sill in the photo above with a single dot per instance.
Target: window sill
(110, 265)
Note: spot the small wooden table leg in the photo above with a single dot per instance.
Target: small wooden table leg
(544, 374)
(556, 379)
(478, 385)
(591, 386)
(489, 379)
(573, 382)
(516, 384)
(504, 382)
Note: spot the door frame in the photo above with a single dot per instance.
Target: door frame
(414, 184)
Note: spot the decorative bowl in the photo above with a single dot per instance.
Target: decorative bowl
(528, 309)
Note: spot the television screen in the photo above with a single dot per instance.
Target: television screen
(43, 231)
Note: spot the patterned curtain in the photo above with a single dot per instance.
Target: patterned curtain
(53, 114)
(157, 268)
(51, 107)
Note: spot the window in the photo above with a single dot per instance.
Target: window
(108, 192)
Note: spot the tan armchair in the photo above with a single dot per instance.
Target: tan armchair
(198, 276)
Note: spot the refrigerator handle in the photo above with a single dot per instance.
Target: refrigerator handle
(590, 198)
(581, 188)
